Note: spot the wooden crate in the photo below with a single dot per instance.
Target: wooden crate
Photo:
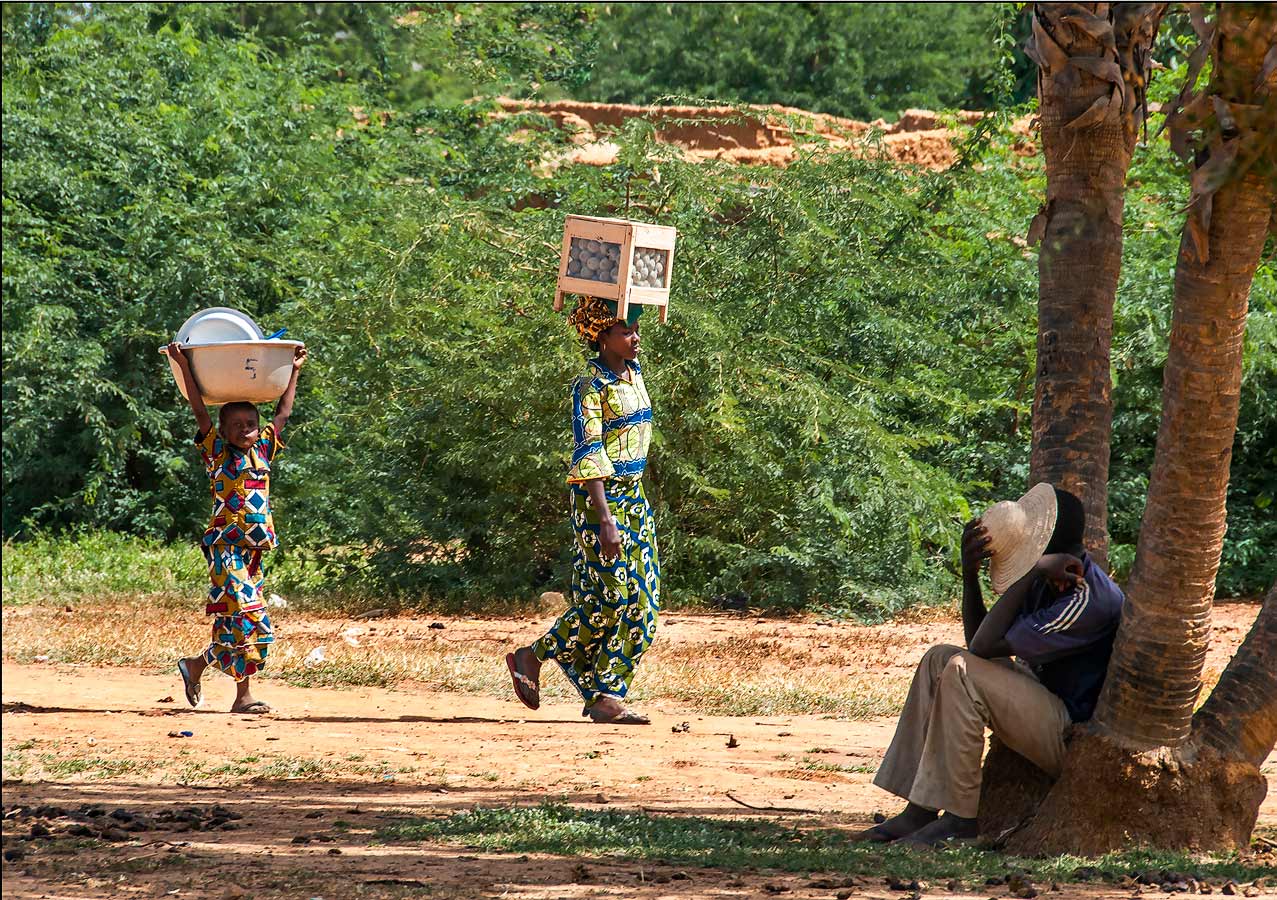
(632, 262)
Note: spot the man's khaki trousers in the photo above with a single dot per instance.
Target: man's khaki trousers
(934, 759)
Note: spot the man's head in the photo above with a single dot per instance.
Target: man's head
(1070, 524)
(1045, 520)
(238, 424)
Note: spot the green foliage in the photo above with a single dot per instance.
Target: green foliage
(810, 389)
(848, 364)
(440, 53)
(147, 174)
(862, 60)
(754, 844)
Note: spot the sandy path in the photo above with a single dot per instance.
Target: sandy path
(413, 750)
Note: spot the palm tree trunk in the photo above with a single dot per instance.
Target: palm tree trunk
(1094, 64)
(1239, 719)
(1130, 777)
(1155, 675)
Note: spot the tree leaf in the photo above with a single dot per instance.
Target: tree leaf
(1267, 69)
(1037, 228)
(1048, 50)
(1216, 171)
(1197, 231)
(1105, 69)
(1098, 28)
(1094, 114)
(1197, 16)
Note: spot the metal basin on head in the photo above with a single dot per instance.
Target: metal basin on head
(228, 371)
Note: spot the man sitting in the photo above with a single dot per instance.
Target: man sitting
(1058, 614)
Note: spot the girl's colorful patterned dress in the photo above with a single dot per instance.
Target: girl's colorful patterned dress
(240, 532)
(598, 642)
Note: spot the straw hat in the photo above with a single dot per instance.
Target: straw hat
(1019, 531)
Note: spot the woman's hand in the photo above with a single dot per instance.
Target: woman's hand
(299, 358)
(609, 539)
(1061, 569)
(975, 547)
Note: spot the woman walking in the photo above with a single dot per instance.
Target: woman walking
(616, 573)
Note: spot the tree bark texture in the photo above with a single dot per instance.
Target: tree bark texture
(1094, 63)
(1205, 796)
(1155, 674)
(1239, 719)
(1011, 790)
(1132, 776)
(1109, 799)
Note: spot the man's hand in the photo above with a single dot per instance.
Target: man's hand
(975, 547)
(609, 539)
(177, 354)
(299, 358)
(1061, 569)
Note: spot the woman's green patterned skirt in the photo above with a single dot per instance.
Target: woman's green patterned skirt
(598, 642)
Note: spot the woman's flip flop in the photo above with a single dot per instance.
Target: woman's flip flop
(525, 688)
(194, 695)
(624, 717)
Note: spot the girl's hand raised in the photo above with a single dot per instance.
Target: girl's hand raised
(177, 353)
(299, 358)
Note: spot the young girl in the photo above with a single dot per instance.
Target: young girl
(238, 458)
(616, 573)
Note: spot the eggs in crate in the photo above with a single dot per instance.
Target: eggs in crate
(594, 260)
(618, 260)
(649, 267)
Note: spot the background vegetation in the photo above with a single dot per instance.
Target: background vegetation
(847, 371)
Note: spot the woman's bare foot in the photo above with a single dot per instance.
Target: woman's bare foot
(191, 668)
(606, 707)
(525, 673)
(244, 702)
(611, 711)
(528, 663)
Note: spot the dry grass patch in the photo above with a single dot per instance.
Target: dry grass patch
(739, 674)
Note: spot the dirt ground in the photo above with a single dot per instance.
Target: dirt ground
(756, 135)
(76, 737)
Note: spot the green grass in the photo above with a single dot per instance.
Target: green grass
(95, 767)
(98, 563)
(768, 697)
(295, 767)
(351, 672)
(269, 768)
(105, 565)
(814, 766)
(752, 844)
(16, 763)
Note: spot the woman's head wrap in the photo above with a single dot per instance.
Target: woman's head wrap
(593, 315)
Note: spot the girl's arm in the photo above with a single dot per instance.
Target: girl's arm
(284, 408)
(193, 395)
(609, 535)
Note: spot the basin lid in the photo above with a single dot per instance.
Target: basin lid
(218, 324)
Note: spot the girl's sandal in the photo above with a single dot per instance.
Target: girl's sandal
(256, 708)
(194, 695)
(527, 690)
